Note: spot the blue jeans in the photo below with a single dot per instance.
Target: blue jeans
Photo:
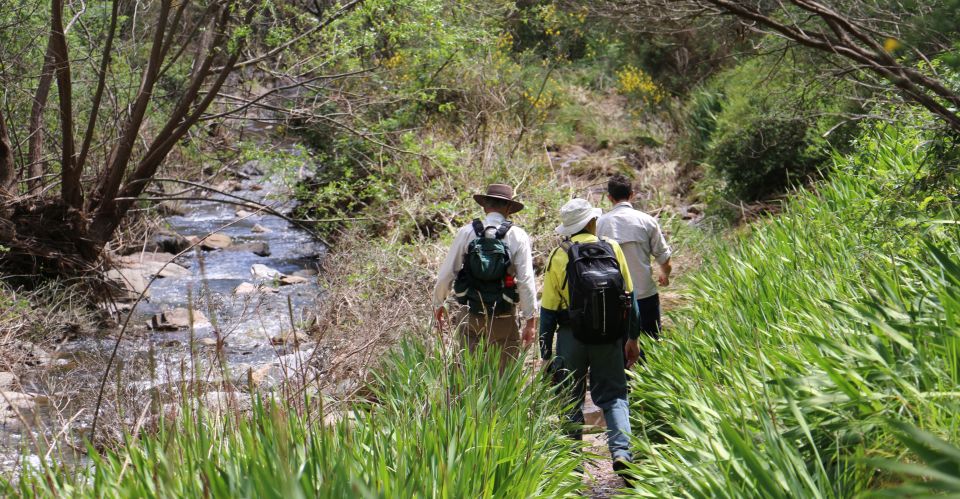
(574, 361)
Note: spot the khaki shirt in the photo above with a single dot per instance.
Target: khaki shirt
(640, 237)
(521, 264)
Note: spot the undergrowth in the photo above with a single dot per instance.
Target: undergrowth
(439, 426)
(811, 336)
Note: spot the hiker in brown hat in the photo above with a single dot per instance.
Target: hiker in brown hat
(490, 270)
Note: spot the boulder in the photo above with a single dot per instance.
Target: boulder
(130, 280)
(287, 280)
(245, 288)
(215, 242)
(259, 229)
(159, 269)
(261, 271)
(241, 213)
(208, 342)
(146, 256)
(178, 318)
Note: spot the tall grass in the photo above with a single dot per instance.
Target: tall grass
(807, 338)
(436, 428)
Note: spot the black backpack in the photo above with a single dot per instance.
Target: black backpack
(481, 283)
(599, 304)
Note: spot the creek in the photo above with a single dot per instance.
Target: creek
(252, 337)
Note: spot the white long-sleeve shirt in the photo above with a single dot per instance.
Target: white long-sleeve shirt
(640, 238)
(521, 264)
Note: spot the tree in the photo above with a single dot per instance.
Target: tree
(862, 37)
(182, 52)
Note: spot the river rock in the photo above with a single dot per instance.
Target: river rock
(208, 342)
(159, 269)
(146, 256)
(261, 271)
(259, 229)
(215, 242)
(257, 248)
(229, 186)
(178, 318)
(292, 279)
(17, 401)
(167, 242)
(244, 213)
(266, 376)
(290, 337)
(132, 281)
(7, 380)
(305, 273)
(245, 288)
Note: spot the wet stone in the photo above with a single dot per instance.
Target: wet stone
(215, 242)
(292, 279)
(259, 229)
(261, 271)
(289, 338)
(178, 318)
(245, 288)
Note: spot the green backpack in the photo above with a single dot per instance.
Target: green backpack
(483, 282)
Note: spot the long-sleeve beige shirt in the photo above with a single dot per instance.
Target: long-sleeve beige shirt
(641, 239)
(521, 264)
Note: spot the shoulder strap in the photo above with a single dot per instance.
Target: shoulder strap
(478, 227)
(503, 229)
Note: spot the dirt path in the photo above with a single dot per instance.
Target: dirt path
(599, 476)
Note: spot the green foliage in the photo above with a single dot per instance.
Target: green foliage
(761, 129)
(440, 427)
(808, 334)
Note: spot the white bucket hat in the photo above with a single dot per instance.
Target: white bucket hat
(575, 215)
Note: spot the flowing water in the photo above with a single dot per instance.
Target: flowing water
(152, 367)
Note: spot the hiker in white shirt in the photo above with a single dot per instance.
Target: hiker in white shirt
(641, 239)
(498, 325)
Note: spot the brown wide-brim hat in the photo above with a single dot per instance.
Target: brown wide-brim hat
(499, 192)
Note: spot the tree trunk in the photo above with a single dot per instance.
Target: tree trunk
(8, 172)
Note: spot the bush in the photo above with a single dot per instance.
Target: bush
(759, 130)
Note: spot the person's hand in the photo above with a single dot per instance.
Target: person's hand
(528, 333)
(664, 280)
(632, 351)
(439, 320)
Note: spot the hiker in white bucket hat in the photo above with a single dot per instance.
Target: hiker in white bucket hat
(575, 215)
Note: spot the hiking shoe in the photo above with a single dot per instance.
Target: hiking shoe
(621, 466)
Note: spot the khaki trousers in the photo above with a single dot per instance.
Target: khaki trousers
(501, 331)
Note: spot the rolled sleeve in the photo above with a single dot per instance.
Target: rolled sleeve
(659, 248)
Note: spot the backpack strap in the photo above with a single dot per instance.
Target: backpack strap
(503, 229)
(478, 227)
